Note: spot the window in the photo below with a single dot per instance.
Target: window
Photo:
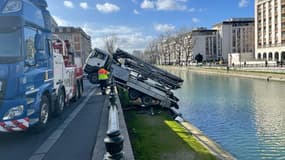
(29, 45)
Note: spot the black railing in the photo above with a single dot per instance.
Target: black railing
(114, 140)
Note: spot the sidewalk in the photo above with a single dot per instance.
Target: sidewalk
(99, 149)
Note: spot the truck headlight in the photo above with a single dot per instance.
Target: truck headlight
(14, 112)
(12, 6)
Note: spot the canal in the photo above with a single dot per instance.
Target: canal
(246, 117)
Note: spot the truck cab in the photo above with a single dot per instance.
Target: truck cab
(26, 65)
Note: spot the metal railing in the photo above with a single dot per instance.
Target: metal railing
(114, 140)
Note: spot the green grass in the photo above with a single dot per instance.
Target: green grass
(160, 138)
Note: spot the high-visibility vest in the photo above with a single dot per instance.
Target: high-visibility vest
(103, 74)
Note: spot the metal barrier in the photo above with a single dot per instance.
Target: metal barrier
(114, 140)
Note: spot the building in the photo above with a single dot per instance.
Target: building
(79, 40)
(270, 30)
(205, 43)
(235, 35)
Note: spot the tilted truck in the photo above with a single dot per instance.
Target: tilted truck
(34, 83)
(152, 85)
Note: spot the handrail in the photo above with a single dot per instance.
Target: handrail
(114, 140)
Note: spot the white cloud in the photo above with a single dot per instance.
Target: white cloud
(68, 4)
(171, 5)
(195, 20)
(147, 4)
(129, 39)
(164, 4)
(243, 3)
(60, 21)
(136, 12)
(107, 8)
(164, 27)
(84, 5)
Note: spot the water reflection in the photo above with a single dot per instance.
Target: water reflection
(245, 116)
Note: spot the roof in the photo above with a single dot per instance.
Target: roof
(236, 20)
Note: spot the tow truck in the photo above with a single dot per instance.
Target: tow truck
(148, 83)
(34, 82)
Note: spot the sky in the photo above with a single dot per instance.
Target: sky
(137, 22)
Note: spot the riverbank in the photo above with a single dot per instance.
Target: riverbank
(159, 137)
(238, 72)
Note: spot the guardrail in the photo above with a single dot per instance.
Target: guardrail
(114, 140)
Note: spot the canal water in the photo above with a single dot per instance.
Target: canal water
(246, 117)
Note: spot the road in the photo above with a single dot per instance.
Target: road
(76, 141)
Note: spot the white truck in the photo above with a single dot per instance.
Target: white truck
(144, 81)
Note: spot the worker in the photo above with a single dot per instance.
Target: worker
(103, 76)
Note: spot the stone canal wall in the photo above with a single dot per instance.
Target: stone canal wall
(268, 75)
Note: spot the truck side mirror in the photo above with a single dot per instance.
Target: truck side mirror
(39, 42)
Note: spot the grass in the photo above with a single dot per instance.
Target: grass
(160, 138)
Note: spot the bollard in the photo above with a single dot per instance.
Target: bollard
(114, 140)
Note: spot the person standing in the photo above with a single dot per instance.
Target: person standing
(103, 76)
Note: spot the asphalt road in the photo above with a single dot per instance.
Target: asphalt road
(75, 142)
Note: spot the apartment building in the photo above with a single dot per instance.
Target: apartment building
(270, 30)
(235, 35)
(80, 41)
(205, 43)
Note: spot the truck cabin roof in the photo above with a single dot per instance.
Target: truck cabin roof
(31, 12)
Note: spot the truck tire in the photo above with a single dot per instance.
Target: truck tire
(79, 89)
(43, 115)
(75, 98)
(146, 100)
(133, 94)
(60, 103)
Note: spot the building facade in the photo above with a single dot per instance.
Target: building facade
(205, 43)
(235, 35)
(270, 30)
(79, 40)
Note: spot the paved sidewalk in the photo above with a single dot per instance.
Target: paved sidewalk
(78, 139)
(99, 149)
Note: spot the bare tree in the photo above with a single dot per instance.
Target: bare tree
(111, 42)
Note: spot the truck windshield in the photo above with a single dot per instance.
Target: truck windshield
(10, 43)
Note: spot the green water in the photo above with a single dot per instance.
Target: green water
(245, 116)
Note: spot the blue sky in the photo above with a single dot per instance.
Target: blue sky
(136, 22)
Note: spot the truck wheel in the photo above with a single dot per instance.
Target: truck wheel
(79, 90)
(133, 94)
(146, 100)
(43, 114)
(74, 99)
(60, 103)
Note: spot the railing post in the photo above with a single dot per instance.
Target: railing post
(114, 140)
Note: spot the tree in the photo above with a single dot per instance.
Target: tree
(110, 43)
(199, 58)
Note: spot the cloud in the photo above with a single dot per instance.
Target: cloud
(107, 8)
(135, 1)
(243, 3)
(195, 20)
(171, 5)
(147, 4)
(165, 5)
(84, 5)
(164, 27)
(129, 39)
(68, 4)
(60, 21)
(136, 12)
